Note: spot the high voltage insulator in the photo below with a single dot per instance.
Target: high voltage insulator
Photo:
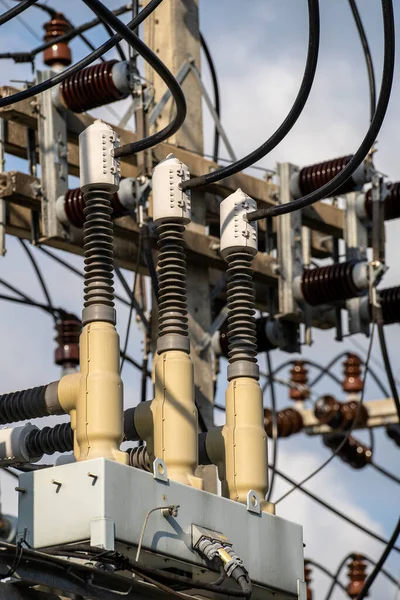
(332, 283)
(70, 207)
(390, 303)
(352, 452)
(310, 178)
(352, 381)
(357, 575)
(393, 431)
(67, 352)
(59, 53)
(50, 440)
(139, 458)
(308, 579)
(299, 376)
(288, 420)
(340, 415)
(266, 334)
(391, 203)
(95, 86)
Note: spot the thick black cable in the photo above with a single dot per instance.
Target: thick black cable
(388, 367)
(348, 432)
(334, 184)
(217, 101)
(384, 572)
(367, 55)
(274, 426)
(323, 569)
(384, 472)
(314, 364)
(26, 302)
(38, 274)
(118, 47)
(84, 62)
(152, 59)
(288, 123)
(16, 10)
(337, 574)
(50, 11)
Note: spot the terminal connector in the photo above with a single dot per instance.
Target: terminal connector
(13, 445)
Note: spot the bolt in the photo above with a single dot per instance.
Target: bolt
(20, 490)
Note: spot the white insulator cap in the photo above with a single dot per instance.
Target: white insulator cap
(13, 445)
(60, 210)
(168, 198)
(126, 193)
(236, 231)
(98, 167)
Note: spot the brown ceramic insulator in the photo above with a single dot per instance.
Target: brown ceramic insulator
(299, 376)
(352, 381)
(352, 452)
(332, 283)
(391, 202)
(90, 88)
(390, 303)
(58, 53)
(339, 415)
(357, 575)
(68, 332)
(307, 579)
(289, 421)
(315, 176)
(74, 206)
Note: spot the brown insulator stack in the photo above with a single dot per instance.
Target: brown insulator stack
(68, 332)
(352, 452)
(391, 203)
(357, 575)
(340, 415)
(74, 206)
(352, 382)
(289, 421)
(299, 376)
(59, 53)
(307, 579)
(332, 283)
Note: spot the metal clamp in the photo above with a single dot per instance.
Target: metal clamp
(160, 470)
(253, 503)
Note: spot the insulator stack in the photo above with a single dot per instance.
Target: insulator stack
(308, 579)
(50, 440)
(390, 302)
(266, 336)
(68, 331)
(333, 283)
(288, 420)
(352, 382)
(95, 86)
(357, 575)
(340, 415)
(139, 458)
(391, 204)
(311, 178)
(299, 376)
(59, 53)
(352, 452)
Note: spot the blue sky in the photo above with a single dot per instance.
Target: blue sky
(259, 48)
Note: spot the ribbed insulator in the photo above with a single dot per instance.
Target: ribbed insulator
(50, 440)
(241, 304)
(352, 452)
(299, 376)
(26, 404)
(288, 420)
(390, 302)
(98, 249)
(60, 52)
(357, 575)
(68, 332)
(315, 176)
(352, 370)
(391, 203)
(308, 579)
(324, 285)
(90, 88)
(340, 415)
(74, 206)
(139, 458)
(172, 290)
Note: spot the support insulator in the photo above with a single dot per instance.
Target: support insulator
(352, 381)
(390, 303)
(59, 53)
(139, 458)
(308, 579)
(357, 575)
(95, 86)
(36, 402)
(70, 207)
(299, 376)
(288, 420)
(311, 178)
(68, 331)
(266, 335)
(50, 440)
(391, 203)
(332, 283)
(352, 452)
(340, 415)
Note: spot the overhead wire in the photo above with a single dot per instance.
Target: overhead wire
(38, 272)
(217, 100)
(384, 472)
(15, 11)
(24, 24)
(323, 569)
(288, 123)
(358, 157)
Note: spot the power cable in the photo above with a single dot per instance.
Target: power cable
(335, 580)
(288, 123)
(323, 569)
(24, 24)
(348, 432)
(384, 472)
(334, 184)
(217, 102)
(50, 11)
(389, 576)
(388, 367)
(16, 10)
(274, 426)
(38, 273)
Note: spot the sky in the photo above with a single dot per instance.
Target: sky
(259, 48)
